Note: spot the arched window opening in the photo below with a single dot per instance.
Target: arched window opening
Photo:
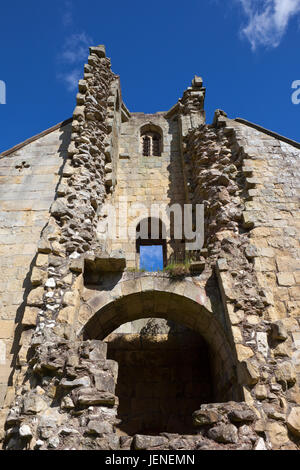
(151, 141)
(151, 246)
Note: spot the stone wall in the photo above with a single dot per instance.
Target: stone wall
(145, 180)
(70, 403)
(85, 179)
(271, 167)
(248, 183)
(29, 176)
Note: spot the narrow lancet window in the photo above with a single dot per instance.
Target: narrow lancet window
(151, 142)
(156, 145)
(146, 146)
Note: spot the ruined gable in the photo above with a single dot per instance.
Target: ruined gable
(105, 355)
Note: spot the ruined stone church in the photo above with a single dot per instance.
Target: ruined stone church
(97, 352)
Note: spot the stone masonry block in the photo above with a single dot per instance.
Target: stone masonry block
(6, 329)
(287, 264)
(285, 279)
(30, 316)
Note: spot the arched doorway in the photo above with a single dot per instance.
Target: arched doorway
(164, 376)
(152, 296)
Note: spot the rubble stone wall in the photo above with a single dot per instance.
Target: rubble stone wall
(248, 183)
(271, 167)
(85, 180)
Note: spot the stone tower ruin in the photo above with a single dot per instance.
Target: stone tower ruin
(98, 353)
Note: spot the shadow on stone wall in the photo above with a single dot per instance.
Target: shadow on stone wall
(19, 328)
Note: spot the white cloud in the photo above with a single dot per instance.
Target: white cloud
(75, 48)
(71, 78)
(267, 20)
(71, 58)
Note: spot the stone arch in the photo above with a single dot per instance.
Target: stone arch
(152, 296)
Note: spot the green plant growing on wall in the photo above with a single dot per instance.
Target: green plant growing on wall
(136, 270)
(178, 269)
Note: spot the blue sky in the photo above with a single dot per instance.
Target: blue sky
(151, 258)
(245, 50)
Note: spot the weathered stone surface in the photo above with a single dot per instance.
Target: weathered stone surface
(248, 373)
(99, 51)
(13, 417)
(67, 403)
(204, 417)
(285, 372)
(97, 351)
(116, 261)
(35, 297)
(239, 416)
(38, 276)
(225, 433)
(197, 266)
(33, 404)
(30, 316)
(261, 392)
(260, 426)
(42, 260)
(82, 382)
(59, 208)
(251, 251)
(89, 396)
(285, 279)
(25, 431)
(244, 352)
(104, 382)
(262, 343)
(50, 282)
(260, 444)
(76, 265)
(279, 331)
(277, 434)
(148, 442)
(293, 421)
(6, 329)
(66, 315)
(53, 442)
(99, 428)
